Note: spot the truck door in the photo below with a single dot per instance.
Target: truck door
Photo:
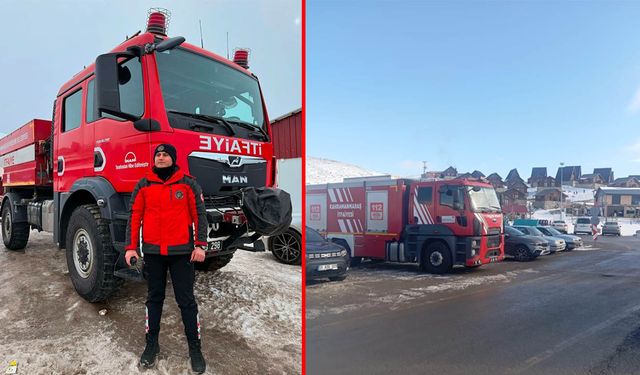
(73, 150)
(120, 152)
(317, 211)
(377, 211)
(452, 207)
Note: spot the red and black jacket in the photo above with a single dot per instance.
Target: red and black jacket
(168, 212)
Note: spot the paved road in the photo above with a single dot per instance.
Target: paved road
(568, 313)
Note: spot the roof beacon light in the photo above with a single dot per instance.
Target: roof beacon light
(241, 57)
(158, 21)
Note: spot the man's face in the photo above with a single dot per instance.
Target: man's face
(162, 160)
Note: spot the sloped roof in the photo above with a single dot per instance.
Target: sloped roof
(477, 174)
(513, 174)
(450, 170)
(567, 171)
(494, 176)
(539, 172)
(605, 173)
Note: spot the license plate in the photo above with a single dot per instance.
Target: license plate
(215, 246)
(327, 267)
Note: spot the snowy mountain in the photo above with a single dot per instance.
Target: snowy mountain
(322, 171)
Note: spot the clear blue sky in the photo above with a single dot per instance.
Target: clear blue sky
(477, 85)
(46, 43)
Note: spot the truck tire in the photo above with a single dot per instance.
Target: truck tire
(214, 263)
(90, 254)
(14, 235)
(436, 258)
(287, 247)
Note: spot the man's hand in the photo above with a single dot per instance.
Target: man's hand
(198, 254)
(128, 255)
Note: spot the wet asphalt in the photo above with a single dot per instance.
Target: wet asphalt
(568, 313)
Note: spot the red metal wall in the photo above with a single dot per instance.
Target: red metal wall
(287, 135)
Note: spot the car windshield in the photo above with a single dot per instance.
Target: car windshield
(584, 221)
(558, 222)
(610, 223)
(313, 236)
(554, 231)
(544, 231)
(195, 84)
(485, 199)
(531, 230)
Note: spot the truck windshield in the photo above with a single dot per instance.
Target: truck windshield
(195, 84)
(484, 199)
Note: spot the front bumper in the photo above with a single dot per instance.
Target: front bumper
(313, 265)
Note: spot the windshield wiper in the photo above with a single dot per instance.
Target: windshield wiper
(215, 119)
(246, 125)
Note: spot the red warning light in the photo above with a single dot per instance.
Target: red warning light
(158, 21)
(241, 57)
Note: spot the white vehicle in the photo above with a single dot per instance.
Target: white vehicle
(561, 226)
(582, 225)
(287, 246)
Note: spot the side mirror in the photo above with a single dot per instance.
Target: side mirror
(109, 76)
(507, 235)
(170, 43)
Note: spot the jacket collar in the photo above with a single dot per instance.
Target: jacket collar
(175, 177)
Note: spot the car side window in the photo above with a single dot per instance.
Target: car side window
(425, 194)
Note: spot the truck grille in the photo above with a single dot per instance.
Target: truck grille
(493, 241)
(217, 178)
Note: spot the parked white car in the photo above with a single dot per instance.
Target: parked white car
(582, 225)
(561, 226)
(287, 247)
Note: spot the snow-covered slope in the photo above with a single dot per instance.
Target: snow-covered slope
(322, 171)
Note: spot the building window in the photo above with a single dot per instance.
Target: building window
(615, 199)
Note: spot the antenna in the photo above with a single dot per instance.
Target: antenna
(227, 45)
(201, 41)
(424, 167)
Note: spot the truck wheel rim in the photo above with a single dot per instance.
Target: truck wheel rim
(7, 226)
(82, 253)
(436, 258)
(286, 247)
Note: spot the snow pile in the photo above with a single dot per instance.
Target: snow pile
(322, 171)
(250, 316)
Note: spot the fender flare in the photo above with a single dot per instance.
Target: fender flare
(19, 215)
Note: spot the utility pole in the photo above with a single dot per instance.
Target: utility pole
(561, 191)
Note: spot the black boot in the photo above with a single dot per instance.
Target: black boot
(148, 358)
(197, 360)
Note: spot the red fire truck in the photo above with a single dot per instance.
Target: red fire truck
(73, 176)
(436, 224)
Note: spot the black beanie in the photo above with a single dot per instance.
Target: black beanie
(169, 149)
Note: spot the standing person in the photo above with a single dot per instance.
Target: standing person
(169, 207)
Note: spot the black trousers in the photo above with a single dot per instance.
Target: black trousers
(182, 277)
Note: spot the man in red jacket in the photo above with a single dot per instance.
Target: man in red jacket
(168, 205)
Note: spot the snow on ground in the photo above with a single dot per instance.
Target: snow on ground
(322, 171)
(407, 285)
(250, 313)
(628, 226)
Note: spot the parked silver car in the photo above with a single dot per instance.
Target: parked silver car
(611, 227)
(571, 240)
(555, 243)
